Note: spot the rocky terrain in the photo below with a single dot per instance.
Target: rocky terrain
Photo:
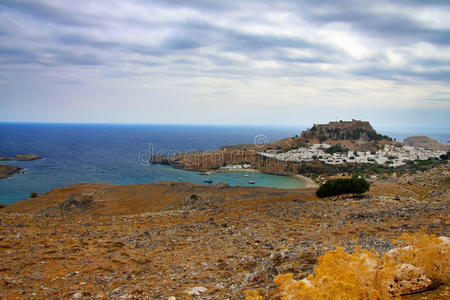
(161, 240)
(8, 170)
(426, 143)
(21, 157)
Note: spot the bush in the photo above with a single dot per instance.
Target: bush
(33, 195)
(194, 197)
(342, 186)
(445, 156)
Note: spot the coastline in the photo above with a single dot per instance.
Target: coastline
(309, 182)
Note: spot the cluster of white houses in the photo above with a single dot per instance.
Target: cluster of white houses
(394, 156)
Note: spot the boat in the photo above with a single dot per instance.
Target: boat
(202, 173)
(246, 175)
(208, 180)
(251, 182)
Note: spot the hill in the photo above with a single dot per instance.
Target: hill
(344, 130)
(426, 143)
(353, 135)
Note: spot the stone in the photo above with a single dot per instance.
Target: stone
(196, 291)
(409, 279)
(222, 185)
(78, 201)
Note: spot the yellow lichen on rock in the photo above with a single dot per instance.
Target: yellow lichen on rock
(418, 265)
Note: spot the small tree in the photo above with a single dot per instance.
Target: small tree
(343, 186)
(33, 195)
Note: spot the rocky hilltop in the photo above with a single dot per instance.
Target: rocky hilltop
(426, 143)
(344, 130)
(352, 135)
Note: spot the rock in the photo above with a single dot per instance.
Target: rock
(300, 201)
(78, 202)
(159, 159)
(196, 291)
(8, 170)
(409, 279)
(71, 274)
(77, 295)
(222, 185)
(445, 241)
(37, 275)
(171, 298)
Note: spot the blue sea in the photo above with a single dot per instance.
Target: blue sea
(118, 154)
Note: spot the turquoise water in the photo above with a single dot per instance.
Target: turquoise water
(75, 153)
(238, 178)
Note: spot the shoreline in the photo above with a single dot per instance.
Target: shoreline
(309, 182)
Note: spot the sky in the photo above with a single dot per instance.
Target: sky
(225, 62)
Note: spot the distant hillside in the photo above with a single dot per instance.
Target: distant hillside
(426, 143)
(352, 135)
(344, 130)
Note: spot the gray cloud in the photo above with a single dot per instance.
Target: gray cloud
(209, 46)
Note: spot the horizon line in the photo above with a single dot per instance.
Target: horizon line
(208, 124)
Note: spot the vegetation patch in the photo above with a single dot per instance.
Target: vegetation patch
(343, 186)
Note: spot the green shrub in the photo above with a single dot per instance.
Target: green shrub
(33, 195)
(343, 186)
(194, 197)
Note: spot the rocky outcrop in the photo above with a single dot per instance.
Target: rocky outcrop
(426, 143)
(222, 185)
(409, 279)
(78, 202)
(8, 170)
(21, 157)
(159, 159)
(344, 130)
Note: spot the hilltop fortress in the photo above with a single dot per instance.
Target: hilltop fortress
(333, 148)
(344, 130)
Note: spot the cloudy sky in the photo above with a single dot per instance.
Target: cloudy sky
(225, 62)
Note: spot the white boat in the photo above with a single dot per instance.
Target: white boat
(251, 182)
(208, 180)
